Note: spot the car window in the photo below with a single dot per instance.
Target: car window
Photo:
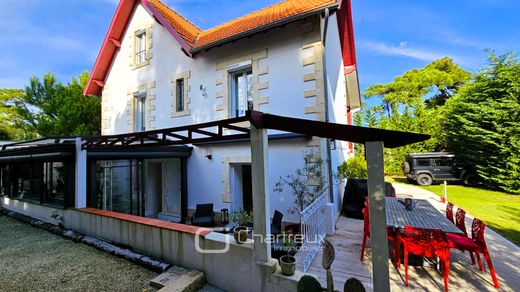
(422, 162)
(442, 162)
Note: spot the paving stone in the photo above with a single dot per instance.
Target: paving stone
(179, 279)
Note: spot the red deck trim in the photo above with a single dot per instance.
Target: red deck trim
(149, 221)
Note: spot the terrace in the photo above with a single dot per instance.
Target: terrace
(463, 275)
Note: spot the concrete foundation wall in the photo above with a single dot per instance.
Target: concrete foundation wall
(36, 211)
(234, 270)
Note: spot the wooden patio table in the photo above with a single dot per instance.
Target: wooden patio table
(423, 215)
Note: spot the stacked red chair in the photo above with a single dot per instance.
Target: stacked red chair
(430, 243)
(449, 212)
(476, 244)
(460, 221)
(366, 233)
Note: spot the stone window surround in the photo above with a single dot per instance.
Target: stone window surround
(132, 46)
(150, 105)
(185, 76)
(105, 112)
(223, 96)
(312, 41)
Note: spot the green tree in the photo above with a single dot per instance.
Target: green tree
(54, 109)
(11, 123)
(483, 123)
(414, 102)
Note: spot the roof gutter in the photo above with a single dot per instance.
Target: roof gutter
(263, 28)
(326, 103)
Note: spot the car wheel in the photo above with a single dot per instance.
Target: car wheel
(424, 179)
(470, 179)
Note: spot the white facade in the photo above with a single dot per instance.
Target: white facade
(288, 79)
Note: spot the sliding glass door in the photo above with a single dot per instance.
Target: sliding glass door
(119, 186)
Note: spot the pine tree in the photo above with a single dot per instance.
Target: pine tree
(483, 123)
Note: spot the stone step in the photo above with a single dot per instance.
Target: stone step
(179, 279)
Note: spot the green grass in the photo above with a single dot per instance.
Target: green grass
(32, 259)
(500, 211)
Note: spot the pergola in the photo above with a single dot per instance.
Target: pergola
(254, 126)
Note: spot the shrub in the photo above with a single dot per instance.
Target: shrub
(241, 217)
(354, 167)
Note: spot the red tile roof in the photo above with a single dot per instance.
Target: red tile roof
(192, 39)
(187, 30)
(198, 38)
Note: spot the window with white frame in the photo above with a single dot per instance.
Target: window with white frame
(140, 46)
(140, 111)
(241, 91)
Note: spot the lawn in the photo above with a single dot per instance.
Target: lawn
(500, 211)
(32, 259)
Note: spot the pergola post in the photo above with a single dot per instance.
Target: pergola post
(80, 176)
(377, 210)
(261, 209)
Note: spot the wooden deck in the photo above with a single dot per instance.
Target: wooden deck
(347, 243)
(463, 276)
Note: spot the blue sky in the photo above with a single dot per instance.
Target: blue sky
(64, 36)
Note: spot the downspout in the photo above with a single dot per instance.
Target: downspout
(326, 104)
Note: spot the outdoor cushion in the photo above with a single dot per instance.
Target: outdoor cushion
(204, 221)
(203, 216)
(460, 242)
(276, 225)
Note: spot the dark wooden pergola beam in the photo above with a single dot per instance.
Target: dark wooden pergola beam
(356, 134)
(183, 134)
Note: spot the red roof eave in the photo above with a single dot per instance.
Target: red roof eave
(110, 45)
(346, 33)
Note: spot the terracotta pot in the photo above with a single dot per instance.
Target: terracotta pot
(240, 234)
(288, 264)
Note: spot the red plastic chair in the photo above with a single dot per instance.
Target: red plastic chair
(366, 232)
(449, 212)
(476, 244)
(427, 243)
(460, 221)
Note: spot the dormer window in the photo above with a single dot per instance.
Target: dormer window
(140, 47)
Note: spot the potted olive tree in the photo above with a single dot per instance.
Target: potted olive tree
(307, 184)
(241, 219)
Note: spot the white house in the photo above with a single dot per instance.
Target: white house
(158, 70)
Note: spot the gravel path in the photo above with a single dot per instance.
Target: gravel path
(32, 259)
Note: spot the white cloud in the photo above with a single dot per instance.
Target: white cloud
(428, 55)
(400, 50)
